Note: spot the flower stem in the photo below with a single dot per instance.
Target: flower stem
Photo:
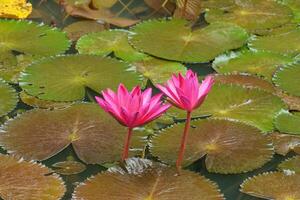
(183, 141)
(126, 145)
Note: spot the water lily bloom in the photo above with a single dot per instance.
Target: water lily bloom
(186, 93)
(132, 109)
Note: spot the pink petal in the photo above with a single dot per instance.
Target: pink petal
(206, 86)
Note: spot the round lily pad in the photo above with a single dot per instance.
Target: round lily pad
(286, 43)
(95, 136)
(253, 106)
(64, 78)
(287, 78)
(23, 180)
(258, 63)
(244, 80)
(287, 122)
(273, 185)
(147, 182)
(106, 42)
(284, 143)
(253, 15)
(8, 98)
(29, 39)
(68, 167)
(291, 164)
(230, 147)
(158, 70)
(174, 39)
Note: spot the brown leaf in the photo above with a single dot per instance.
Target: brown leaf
(188, 9)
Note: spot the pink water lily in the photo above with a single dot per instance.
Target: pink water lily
(132, 109)
(186, 93)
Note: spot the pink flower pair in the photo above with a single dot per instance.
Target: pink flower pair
(137, 108)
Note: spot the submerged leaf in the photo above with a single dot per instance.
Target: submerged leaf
(253, 106)
(8, 98)
(174, 40)
(106, 42)
(273, 185)
(18, 9)
(253, 15)
(291, 164)
(230, 147)
(64, 78)
(285, 143)
(68, 167)
(287, 79)
(257, 63)
(95, 136)
(21, 180)
(145, 180)
(287, 122)
(22, 42)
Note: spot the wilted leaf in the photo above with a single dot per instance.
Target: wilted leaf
(18, 9)
(229, 147)
(95, 136)
(147, 181)
(21, 180)
(75, 72)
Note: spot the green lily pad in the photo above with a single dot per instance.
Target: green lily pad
(258, 63)
(287, 122)
(285, 143)
(273, 185)
(106, 42)
(174, 40)
(22, 42)
(217, 4)
(291, 164)
(230, 147)
(253, 15)
(68, 167)
(245, 80)
(294, 5)
(22, 180)
(64, 78)
(287, 79)
(253, 106)
(158, 70)
(286, 43)
(95, 136)
(144, 180)
(8, 98)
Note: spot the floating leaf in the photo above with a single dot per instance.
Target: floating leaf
(288, 80)
(151, 182)
(217, 4)
(292, 101)
(273, 185)
(286, 43)
(230, 147)
(64, 78)
(253, 15)
(18, 9)
(291, 164)
(287, 122)
(252, 106)
(103, 3)
(80, 28)
(38, 103)
(279, 30)
(106, 42)
(244, 80)
(95, 136)
(68, 167)
(23, 41)
(23, 180)
(294, 5)
(258, 63)
(174, 39)
(158, 70)
(285, 143)
(8, 98)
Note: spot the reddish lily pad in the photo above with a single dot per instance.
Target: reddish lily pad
(68, 167)
(95, 136)
(273, 185)
(22, 180)
(291, 164)
(284, 143)
(147, 181)
(230, 147)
